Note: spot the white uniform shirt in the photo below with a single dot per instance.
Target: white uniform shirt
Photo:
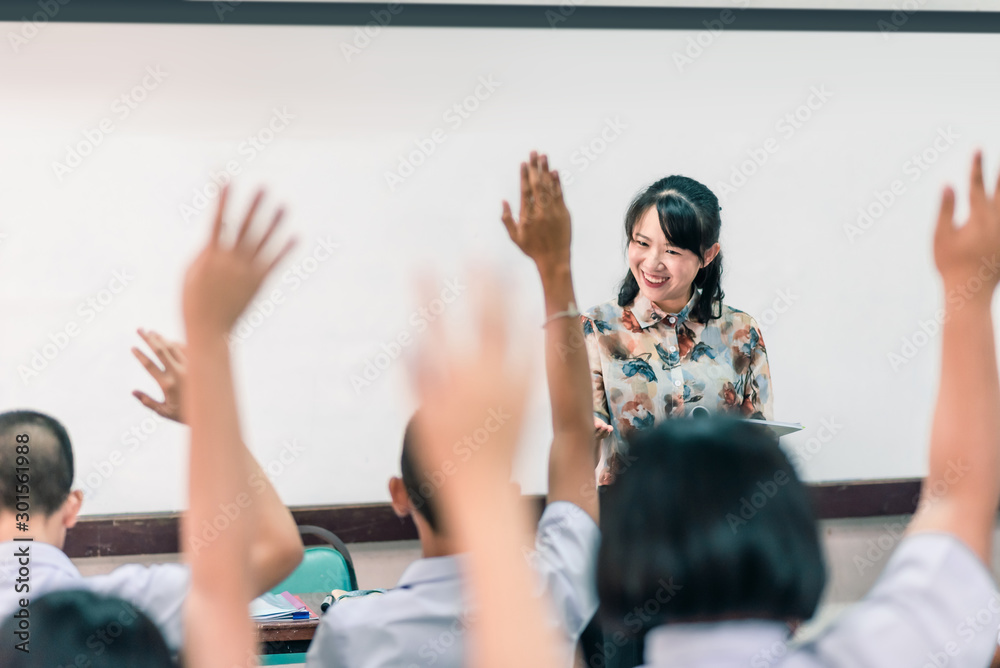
(423, 621)
(158, 591)
(935, 604)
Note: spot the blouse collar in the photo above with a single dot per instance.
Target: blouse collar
(715, 643)
(647, 313)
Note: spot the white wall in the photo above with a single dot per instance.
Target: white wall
(847, 301)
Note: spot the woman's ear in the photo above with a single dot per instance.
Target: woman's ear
(711, 253)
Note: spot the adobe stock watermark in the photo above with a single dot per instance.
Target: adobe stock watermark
(901, 14)
(463, 450)
(786, 126)
(418, 321)
(588, 152)
(634, 621)
(913, 168)
(566, 9)
(363, 35)
(133, 439)
(246, 152)
(262, 308)
(957, 297)
(231, 511)
(783, 301)
(455, 116)
(29, 27)
(768, 489)
(704, 39)
(87, 310)
(121, 108)
(877, 548)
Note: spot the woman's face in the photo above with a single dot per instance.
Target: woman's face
(665, 273)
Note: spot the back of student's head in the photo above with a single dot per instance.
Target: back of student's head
(420, 487)
(44, 443)
(80, 628)
(708, 522)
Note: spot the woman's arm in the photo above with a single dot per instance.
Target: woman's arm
(758, 398)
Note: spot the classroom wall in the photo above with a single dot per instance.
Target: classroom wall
(828, 151)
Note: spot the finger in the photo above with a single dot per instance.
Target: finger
(248, 219)
(178, 352)
(977, 191)
(556, 185)
(219, 211)
(174, 354)
(148, 402)
(159, 346)
(946, 215)
(525, 190)
(156, 372)
(508, 220)
(492, 306)
(270, 230)
(289, 245)
(533, 173)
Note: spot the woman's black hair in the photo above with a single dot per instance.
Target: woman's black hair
(689, 218)
(708, 522)
(81, 628)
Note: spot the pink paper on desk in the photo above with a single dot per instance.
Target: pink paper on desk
(298, 603)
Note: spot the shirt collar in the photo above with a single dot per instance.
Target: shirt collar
(647, 313)
(713, 643)
(430, 569)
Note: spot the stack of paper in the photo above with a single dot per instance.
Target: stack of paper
(269, 607)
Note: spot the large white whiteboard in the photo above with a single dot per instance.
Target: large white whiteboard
(850, 302)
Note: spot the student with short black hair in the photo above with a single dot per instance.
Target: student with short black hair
(81, 628)
(423, 621)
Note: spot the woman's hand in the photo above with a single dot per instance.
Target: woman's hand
(543, 228)
(965, 255)
(223, 279)
(602, 429)
(170, 378)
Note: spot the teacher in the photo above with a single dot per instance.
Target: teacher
(668, 343)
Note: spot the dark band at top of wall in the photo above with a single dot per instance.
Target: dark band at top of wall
(569, 14)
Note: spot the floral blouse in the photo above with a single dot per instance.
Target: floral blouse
(647, 365)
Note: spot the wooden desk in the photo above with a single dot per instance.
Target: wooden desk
(289, 636)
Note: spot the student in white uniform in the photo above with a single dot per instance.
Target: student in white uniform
(423, 621)
(729, 553)
(157, 590)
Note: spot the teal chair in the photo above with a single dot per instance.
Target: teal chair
(323, 568)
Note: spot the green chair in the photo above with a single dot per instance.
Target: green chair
(323, 568)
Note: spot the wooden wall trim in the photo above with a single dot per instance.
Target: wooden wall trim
(122, 535)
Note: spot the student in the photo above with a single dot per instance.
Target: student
(668, 343)
(713, 587)
(158, 590)
(422, 622)
(77, 627)
(77, 623)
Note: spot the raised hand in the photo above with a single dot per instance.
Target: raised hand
(170, 378)
(965, 255)
(224, 278)
(543, 229)
(465, 395)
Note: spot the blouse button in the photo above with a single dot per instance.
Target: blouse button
(677, 383)
(673, 349)
(671, 320)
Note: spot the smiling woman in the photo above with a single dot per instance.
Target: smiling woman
(669, 344)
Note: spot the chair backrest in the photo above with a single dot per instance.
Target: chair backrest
(323, 567)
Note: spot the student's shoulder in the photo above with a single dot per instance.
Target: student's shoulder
(372, 611)
(737, 320)
(133, 581)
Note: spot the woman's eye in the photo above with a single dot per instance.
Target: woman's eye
(641, 243)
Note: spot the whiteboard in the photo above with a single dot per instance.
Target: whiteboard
(615, 110)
